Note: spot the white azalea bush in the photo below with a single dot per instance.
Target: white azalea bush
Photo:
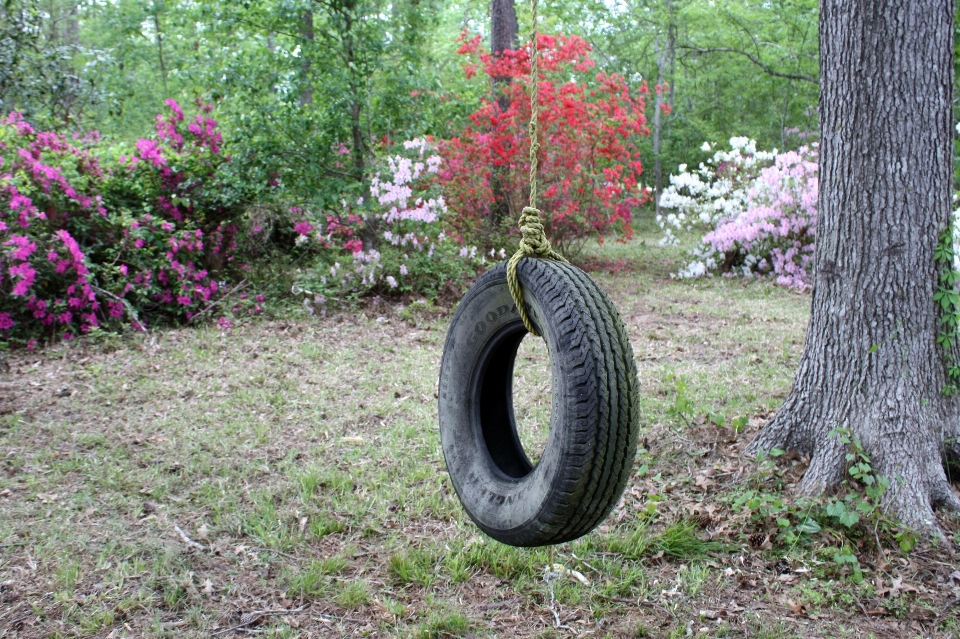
(757, 210)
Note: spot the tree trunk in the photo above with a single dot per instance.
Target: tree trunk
(657, 164)
(871, 363)
(163, 66)
(665, 57)
(503, 37)
(307, 33)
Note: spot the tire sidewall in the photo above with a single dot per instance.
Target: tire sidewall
(500, 505)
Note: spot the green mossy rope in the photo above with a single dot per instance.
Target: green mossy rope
(533, 242)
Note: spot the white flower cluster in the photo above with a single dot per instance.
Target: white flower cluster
(716, 190)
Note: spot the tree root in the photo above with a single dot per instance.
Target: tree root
(945, 499)
(918, 481)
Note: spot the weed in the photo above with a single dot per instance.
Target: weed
(67, 574)
(682, 406)
(313, 579)
(692, 578)
(503, 561)
(96, 621)
(413, 567)
(322, 526)
(458, 567)
(678, 540)
(394, 607)
(353, 594)
(442, 624)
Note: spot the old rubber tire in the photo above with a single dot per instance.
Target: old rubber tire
(594, 422)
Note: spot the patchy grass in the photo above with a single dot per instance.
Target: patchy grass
(286, 478)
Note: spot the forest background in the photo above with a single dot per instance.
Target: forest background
(317, 132)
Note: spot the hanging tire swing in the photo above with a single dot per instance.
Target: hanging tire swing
(594, 420)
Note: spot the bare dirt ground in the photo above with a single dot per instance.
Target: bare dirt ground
(285, 479)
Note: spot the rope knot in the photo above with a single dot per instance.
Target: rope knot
(533, 243)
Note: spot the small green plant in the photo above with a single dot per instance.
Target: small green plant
(682, 406)
(353, 594)
(678, 540)
(413, 567)
(444, 624)
(853, 515)
(67, 575)
(738, 423)
(866, 488)
(322, 526)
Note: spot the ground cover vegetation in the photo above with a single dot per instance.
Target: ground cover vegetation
(285, 476)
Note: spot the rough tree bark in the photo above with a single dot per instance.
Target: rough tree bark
(503, 37)
(871, 363)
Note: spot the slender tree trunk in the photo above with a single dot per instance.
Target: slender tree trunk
(356, 101)
(665, 53)
(163, 66)
(307, 33)
(783, 120)
(871, 363)
(503, 37)
(657, 109)
(71, 37)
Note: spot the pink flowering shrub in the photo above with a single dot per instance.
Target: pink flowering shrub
(408, 248)
(759, 211)
(96, 237)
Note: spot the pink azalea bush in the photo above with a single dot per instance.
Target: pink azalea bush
(758, 212)
(101, 237)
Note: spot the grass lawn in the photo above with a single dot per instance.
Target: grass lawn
(285, 479)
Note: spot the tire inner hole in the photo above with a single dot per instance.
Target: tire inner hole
(532, 396)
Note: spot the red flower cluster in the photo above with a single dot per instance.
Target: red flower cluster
(589, 161)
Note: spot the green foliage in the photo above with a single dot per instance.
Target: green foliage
(948, 299)
(678, 540)
(413, 567)
(442, 624)
(847, 520)
(682, 406)
(352, 594)
(738, 67)
(39, 67)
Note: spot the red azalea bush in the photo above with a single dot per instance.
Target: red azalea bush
(92, 237)
(589, 163)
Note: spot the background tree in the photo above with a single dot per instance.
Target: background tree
(39, 45)
(503, 37)
(871, 365)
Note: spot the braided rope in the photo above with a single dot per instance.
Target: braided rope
(534, 242)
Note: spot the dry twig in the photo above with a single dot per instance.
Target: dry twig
(187, 540)
(239, 287)
(253, 617)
